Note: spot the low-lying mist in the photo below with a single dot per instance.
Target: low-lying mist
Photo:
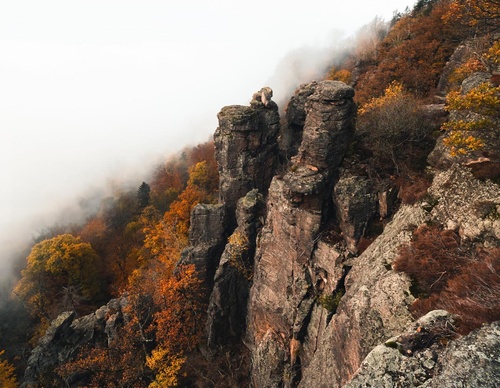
(95, 95)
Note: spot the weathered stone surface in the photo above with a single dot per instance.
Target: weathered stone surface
(355, 204)
(207, 237)
(66, 335)
(484, 167)
(295, 117)
(474, 80)
(386, 200)
(373, 309)
(407, 360)
(207, 224)
(419, 358)
(472, 361)
(283, 291)
(246, 149)
(280, 279)
(375, 305)
(327, 265)
(466, 204)
(457, 59)
(440, 157)
(269, 359)
(329, 125)
(228, 302)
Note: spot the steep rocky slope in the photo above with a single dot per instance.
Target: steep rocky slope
(281, 256)
(295, 335)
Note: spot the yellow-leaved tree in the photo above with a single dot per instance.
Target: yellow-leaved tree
(475, 113)
(62, 273)
(391, 125)
(481, 15)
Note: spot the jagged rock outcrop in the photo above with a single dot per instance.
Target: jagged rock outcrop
(462, 52)
(228, 302)
(279, 255)
(283, 291)
(66, 335)
(246, 149)
(373, 309)
(328, 127)
(295, 117)
(375, 305)
(207, 237)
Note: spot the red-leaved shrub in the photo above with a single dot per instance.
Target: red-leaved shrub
(413, 188)
(450, 276)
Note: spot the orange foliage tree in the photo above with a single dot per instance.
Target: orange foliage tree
(7, 373)
(166, 238)
(178, 325)
(390, 123)
(164, 322)
(480, 15)
(414, 53)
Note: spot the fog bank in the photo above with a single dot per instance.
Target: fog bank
(93, 93)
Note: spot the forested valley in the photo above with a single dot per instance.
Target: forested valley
(129, 251)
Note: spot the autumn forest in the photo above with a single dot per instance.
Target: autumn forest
(130, 248)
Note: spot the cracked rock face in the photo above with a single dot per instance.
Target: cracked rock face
(355, 204)
(375, 305)
(295, 117)
(409, 359)
(283, 292)
(328, 126)
(207, 237)
(373, 309)
(472, 361)
(228, 302)
(246, 149)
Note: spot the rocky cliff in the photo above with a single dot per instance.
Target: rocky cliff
(317, 310)
(287, 274)
(312, 308)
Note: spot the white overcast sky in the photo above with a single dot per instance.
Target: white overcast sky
(95, 90)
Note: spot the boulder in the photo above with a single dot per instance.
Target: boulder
(409, 359)
(472, 361)
(424, 356)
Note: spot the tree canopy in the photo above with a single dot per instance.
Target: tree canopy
(62, 273)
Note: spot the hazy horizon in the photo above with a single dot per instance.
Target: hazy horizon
(94, 93)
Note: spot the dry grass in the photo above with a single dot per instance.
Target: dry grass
(448, 275)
